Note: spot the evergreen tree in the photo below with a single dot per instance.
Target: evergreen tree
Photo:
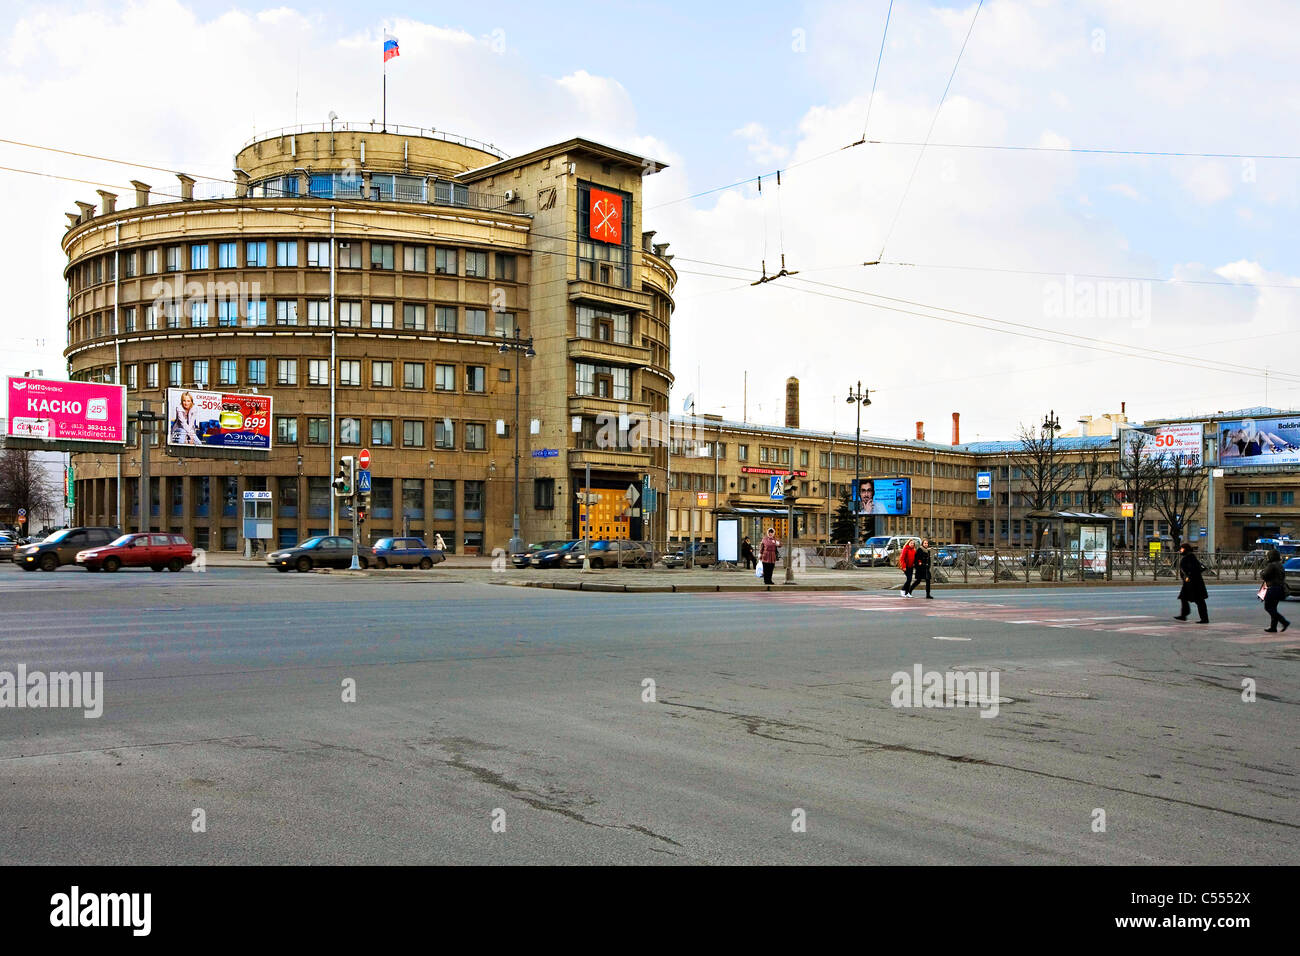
(844, 526)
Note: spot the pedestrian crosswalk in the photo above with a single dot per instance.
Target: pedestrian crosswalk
(1018, 615)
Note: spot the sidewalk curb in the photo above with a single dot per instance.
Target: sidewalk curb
(603, 588)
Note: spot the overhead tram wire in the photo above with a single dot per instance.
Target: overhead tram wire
(780, 221)
(1087, 275)
(875, 78)
(1095, 150)
(933, 120)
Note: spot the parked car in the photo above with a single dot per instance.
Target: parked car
(553, 557)
(705, 553)
(320, 552)
(154, 550)
(405, 553)
(8, 542)
(609, 554)
(956, 556)
(1291, 574)
(882, 550)
(62, 547)
(521, 559)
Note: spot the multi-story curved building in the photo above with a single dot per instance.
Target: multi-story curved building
(367, 280)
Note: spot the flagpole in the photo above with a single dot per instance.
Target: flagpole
(385, 124)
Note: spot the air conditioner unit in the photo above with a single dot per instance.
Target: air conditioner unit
(511, 195)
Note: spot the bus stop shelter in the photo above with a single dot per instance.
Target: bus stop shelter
(1083, 538)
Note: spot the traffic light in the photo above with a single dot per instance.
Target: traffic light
(363, 507)
(790, 487)
(347, 478)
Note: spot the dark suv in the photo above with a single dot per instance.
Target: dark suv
(61, 547)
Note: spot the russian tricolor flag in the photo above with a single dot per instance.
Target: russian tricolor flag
(390, 46)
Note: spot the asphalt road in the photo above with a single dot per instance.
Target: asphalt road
(223, 692)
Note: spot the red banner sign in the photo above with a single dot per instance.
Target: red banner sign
(751, 470)
(606, 211)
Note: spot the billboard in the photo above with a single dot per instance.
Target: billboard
(883, 496)
(1259, 441)
(218, 419)
(67, 411)
(1165, 442)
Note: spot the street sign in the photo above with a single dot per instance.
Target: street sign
(546, 453)
(1204, 532)
(633, 494)
(22, 519)
(363, 459)
(1126, 509)
(701, 497)
(984, 485)
(363, 481)
(257, 496)
(22, 512)
(776, 487)
(651, 500)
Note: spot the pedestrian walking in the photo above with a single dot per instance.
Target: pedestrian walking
(747, 552)
(439, 543)
(1193, 590)
(767, 552)
(1275, 591)
(907, 561)
(922, 568)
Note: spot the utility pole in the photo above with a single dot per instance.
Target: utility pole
(525, 346)
(858, 397)
(144, 425)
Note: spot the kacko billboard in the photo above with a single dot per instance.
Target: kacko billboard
(67, 411)
(218, 419)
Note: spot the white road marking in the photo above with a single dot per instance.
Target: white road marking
(938, 638)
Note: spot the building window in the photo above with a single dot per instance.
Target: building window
(475, 378)
(286, 254)
(412, 434)
(505, 267)
(171, 316)
(286, 430)
(444, 499)
(381, 431)
(349, 431)
(476, 266)
(350, 372)
(349, 255)
(199, 315)
(131, 377)
(475, 437)
(413, 317)
(503, 375)
(256, 372)
(256, 312)
(476, 321)
(174, 374)
(318, 372)
(227, 372)
(505, 324)
(129, 319)
(173, 258)
(543, 494)
(413, 375)
(199, 256)
(128, 265)
(227, 313)
(227, 255)
(444, 433)
(151, 375)
(413, 498)
(381, 315)
(381, 255)
(318, 313)
(318, 255)
(444, 262)
(286, 371)
(413, 259)
(286, 312)
(444, 377)
(474, 501)
(255, 255)
(318, 431)
(150, 261)
(381, 374)
(350, 315)
(199, 370)
(444, 318)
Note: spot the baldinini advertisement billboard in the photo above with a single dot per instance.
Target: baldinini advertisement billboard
(1259, 441)
(218, 419)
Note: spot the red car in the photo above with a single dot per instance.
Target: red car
(156, 551)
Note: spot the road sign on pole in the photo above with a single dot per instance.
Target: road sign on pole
(363, 459)
(363, 482)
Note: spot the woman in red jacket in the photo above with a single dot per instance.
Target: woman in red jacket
(767, 554)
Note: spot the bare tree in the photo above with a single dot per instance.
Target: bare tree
(1044, 475)
(1096, 467)
(1139, 475)
(24, 483)
(1176, 493)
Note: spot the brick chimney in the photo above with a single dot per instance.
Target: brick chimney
(109, 201)
(956, 428)
(792, 402)
(920, 431)
(141, 192)
(87, 210)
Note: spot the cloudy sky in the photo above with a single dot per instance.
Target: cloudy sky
(1168, 263)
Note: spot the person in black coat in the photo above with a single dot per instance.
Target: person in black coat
(1193, 589)
(922, 566)
(747, 553)
(1274, 579)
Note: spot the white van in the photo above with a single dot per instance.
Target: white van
(882, 550)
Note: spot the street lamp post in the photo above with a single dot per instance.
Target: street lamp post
(520, 346)
(857, 398)
(1051, 425)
